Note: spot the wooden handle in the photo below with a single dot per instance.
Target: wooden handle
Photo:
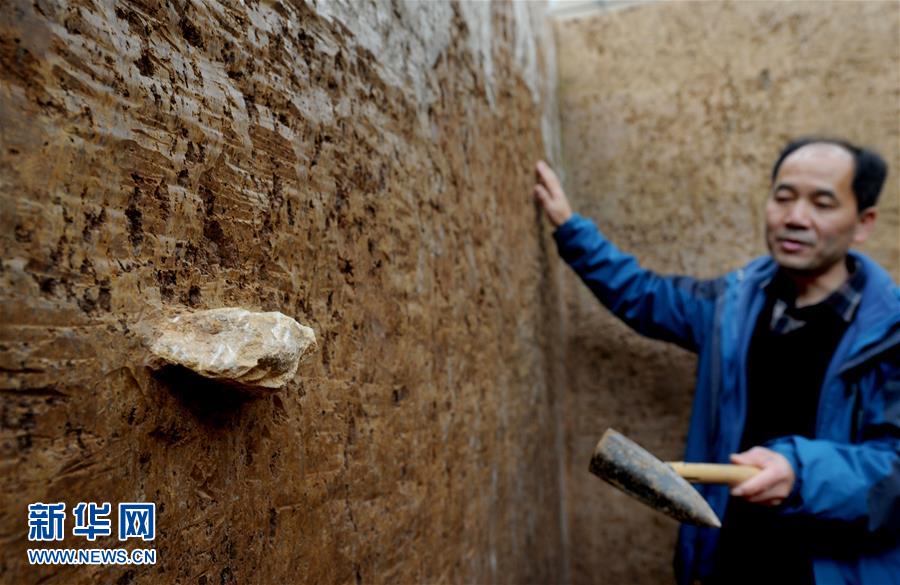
(713, 472)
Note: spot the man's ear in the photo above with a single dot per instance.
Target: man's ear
(864, 225)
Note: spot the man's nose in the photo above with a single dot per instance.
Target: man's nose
(798, 214)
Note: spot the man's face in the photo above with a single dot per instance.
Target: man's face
(811, 214)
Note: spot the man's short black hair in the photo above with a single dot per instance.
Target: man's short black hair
(869, 172)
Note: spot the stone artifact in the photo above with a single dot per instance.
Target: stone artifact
(253, 350)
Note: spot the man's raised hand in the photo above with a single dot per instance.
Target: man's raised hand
(550, 195)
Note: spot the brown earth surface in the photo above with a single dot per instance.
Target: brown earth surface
(160, 156)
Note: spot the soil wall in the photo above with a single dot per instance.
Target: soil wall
(363, 167)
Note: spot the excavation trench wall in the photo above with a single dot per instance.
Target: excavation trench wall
(671, 116)
(362, 167)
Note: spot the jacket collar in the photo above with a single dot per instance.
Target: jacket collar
(877, 320)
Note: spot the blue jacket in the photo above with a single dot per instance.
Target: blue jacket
(848, 477)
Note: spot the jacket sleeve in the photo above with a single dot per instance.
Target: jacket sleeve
(858, 483)
(671, 308)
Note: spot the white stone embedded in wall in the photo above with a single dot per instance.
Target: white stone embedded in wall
(255, 350)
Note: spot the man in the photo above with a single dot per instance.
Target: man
(798, 375)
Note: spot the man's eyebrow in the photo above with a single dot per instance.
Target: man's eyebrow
(786, 186)
(817, 193)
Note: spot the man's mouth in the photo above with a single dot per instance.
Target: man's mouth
(791, 245)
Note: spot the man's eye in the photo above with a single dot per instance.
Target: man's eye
(824, 203)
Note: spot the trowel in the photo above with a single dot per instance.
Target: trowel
(662, 486)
